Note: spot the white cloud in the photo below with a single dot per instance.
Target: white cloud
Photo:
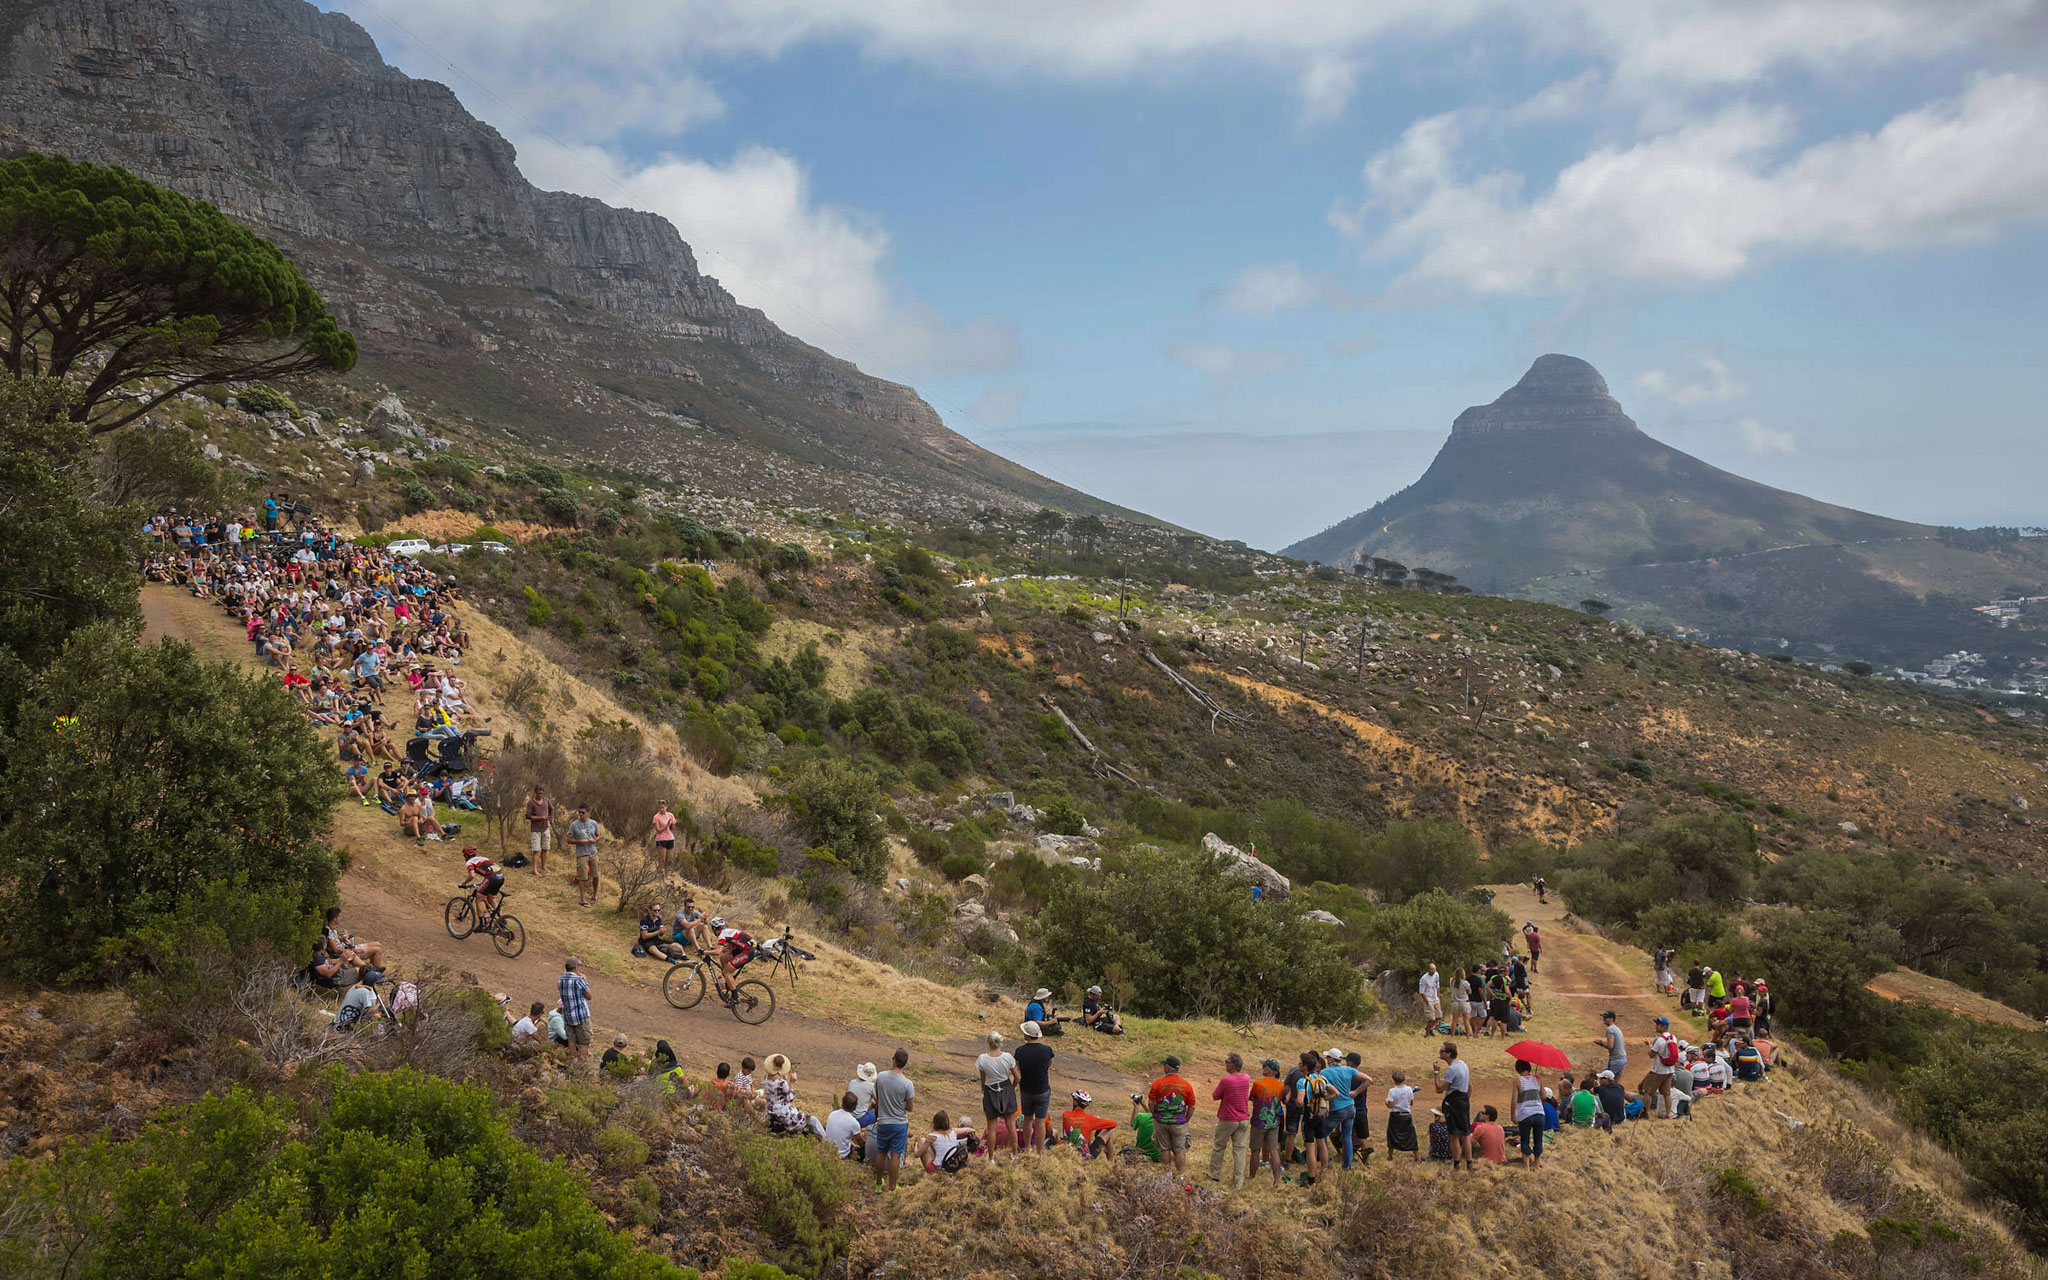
(1224, 364)
(1264, 288)
(1717, 383)
(1704, 201)
(1325, 89)
(1563, 98)
(1762, 439)
(817, 270)
(643, 53)
(1357, 344)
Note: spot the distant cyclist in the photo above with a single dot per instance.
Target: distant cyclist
(1542, 889)
(484, 873)
(734, 948)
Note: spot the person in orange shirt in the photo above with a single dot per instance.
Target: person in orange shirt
(1172, 1103)
(1084, 1128)
(1489, 1140)
(1269, 1116)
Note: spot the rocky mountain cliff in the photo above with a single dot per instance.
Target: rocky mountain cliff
(543, 311)
(1552, 491)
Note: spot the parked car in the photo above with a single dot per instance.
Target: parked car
(451, 548)
(497, 547)
(409, 547)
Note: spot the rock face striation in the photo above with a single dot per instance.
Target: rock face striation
(549, 311)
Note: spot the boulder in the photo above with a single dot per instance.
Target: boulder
(978, 880)
(902, 885)
(210, 451)
(390, 415)
(1065, 844)
(1245, 867)
(970, 910)
(1083, 864)
(440, 444)
(366, 469)
(281, 422)
(1025, 814)
(1321, 917)
(310, 424)
(985, 928)
(1004, 800)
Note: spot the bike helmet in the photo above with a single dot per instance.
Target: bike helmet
(1082, 1098)
(718, 922)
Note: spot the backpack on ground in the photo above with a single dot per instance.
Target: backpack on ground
(962, 1152)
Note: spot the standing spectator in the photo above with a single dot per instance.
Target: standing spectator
(1172, 1103)
(1611, 1040)
(1717, 988)
(1740, 1012)
(1660, 962)
(893, 1095)
(1267, 1099)
(1034, 1088)
(1232, 1096)
(1488, 1138)
(583, 844)
(1343, 1082)
(1461, 1003)
(998, 1094)
(1401, 1117)
(575, 993)
(1312, 1095)
(1530, 1117)
(1429, 988)
(664, 836)
(1534, 938)
(1361, 1116)
(1454, 1081)
(1656, 1086)
(540, 828)
(1695, 987)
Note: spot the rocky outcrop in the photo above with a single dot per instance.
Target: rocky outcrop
(1238, 863)
(1559, 393)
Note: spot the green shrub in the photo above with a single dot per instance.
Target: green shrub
(835, 803)
(264, 399)
(1433, 928)
(800, 1191)
(959, 866)
(1425, 856)
(403, 1174)
(620, 1148)
(98, 737)
(417, 496)
(538, 611)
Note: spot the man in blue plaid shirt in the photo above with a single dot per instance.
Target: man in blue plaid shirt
(575, 993)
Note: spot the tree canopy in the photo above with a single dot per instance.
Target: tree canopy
(134, 778)
(107, 280)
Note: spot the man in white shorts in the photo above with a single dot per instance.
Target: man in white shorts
(540, 829)
(1429, 989)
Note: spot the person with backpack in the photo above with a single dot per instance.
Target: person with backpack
(1655, 1087)
(1232, 1096)
(1454, 1081)
(947, 1148)
(1541, 888)
(1172, 1103)
(1660, 964)
(359, 1005)
(1312, 1096)
(1518, 986)
(1267, 1098)
(1345, 1083)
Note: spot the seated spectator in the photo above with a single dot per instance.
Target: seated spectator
(526, 1031)
(340, 942)
(654, 943)
(1097, 1014)
(779, 1090)
(558, 1027)
(1084, 1129)
(947, 1148)
(1439, 1136)
(1489, 1140)
(329, 971)
(360, 784)
(862, 1087)
(359, 1005)
(843, 1128)
(1551, 1122)
(1748, 1062)
(1613, 1101)
(617, 1053)
(1584, 1105)
(1042, 1013)
(1143, 1145)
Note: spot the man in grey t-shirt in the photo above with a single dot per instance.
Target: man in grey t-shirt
(1617, 1048)
(893, 1095)
(583, 842)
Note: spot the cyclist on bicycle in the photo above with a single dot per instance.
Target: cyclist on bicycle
(487, 875)
(735, 947)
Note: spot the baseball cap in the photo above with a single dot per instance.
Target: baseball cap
(1270, 1064)
(1170, 1062)
(1334, 1055)
(1608, 1013)
(1605, 1075)
(1663, 1022)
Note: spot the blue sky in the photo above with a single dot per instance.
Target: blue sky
(1240, 265)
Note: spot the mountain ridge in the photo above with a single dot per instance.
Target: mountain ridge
(550, 312)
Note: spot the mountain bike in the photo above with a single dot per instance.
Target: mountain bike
(751, 1000)
(783, 955)
(463, 917)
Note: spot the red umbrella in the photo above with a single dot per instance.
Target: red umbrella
(1537, 1053)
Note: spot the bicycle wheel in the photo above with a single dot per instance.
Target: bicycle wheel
(508, 936)
(753, 1002)
(683, 985)
(460, 917)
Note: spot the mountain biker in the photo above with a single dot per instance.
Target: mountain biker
(733, 949)
(486, 874)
